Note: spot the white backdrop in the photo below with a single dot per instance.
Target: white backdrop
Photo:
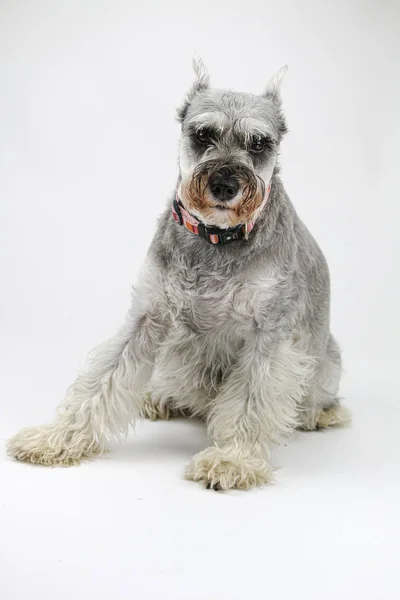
(88, 156)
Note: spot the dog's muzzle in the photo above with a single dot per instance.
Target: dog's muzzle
(224, 180)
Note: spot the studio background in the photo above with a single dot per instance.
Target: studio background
(88, 158)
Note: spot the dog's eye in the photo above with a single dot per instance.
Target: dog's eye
(259, 144)
(203, 136)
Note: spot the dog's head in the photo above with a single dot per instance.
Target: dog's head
(228, 150)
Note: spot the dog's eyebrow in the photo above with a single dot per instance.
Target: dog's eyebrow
(213, 120)
(248, 127)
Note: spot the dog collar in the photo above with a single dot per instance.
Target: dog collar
(214, 235)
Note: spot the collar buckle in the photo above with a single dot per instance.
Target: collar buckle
(226, 237)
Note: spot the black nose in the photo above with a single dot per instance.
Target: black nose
(224, 187)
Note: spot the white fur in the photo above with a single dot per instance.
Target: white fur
(216, 120)
(253, 127)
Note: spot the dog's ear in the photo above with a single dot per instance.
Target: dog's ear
(273, 91)
(202, 82)
(274, 86)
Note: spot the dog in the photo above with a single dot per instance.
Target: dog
(230, 318)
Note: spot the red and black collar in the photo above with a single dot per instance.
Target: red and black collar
(214, 235)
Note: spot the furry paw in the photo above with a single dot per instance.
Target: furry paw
(221, 470)
(155, 411)
(51, 446)
(335, 416)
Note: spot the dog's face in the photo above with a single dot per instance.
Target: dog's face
(228, 150)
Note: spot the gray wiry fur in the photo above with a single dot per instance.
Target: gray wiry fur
(237, 334)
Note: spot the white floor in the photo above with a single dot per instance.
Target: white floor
(129, 526)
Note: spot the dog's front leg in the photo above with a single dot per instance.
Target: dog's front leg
(106, 397)
(257, 407)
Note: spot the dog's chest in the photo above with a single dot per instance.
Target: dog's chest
(212, 313)
(208, 302)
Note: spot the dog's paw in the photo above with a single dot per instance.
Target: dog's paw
(335, 416)
(153, 411)
(51, 446)
(220, 470)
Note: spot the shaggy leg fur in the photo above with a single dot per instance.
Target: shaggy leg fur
(257, 406)
(104, 400)
(321, 408)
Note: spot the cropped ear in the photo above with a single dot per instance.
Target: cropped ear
(273, 92)
(274, 86)
(201, 82)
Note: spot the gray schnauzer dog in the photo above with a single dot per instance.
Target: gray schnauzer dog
(230, 319)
